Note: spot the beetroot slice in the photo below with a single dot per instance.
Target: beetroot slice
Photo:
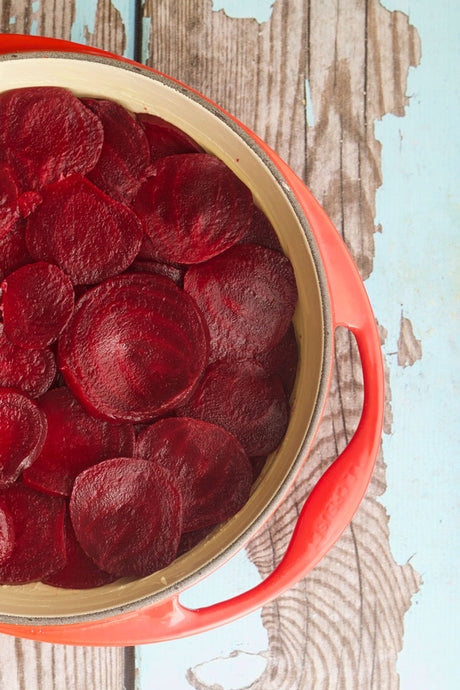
(9, 206)
(75, 441)
(22, 433)
(30, 371)
(134, 347)
(189, 540)
(79, 571)
(282, 360)
(125, 151)
(243, 399)
(48, 134)
(164, 138)
(6, 532)
(38, 300)
(193, 207)
(209, 466)
(247, 295)
(127, 516)
(174, 272)
(38, 522)
(89, 235)
(261, 232)
(13, 250)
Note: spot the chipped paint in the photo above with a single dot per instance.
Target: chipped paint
(260, 10)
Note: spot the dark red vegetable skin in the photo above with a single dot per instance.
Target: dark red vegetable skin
(39, 546)
(243, 399)
(247, 295)
(38, 300)
(22, 434)
(209, 466)
(135, 529)
(79, 571)
(46, 133)
(164, 138)
(89, 235)
(30, 371)
(75, 441)
(193, 207)
(189, 540)
(261, 232)
(125, 151)
(160, 351)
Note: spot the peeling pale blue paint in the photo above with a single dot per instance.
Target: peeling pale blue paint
(146, 22)
(261, 10)
(35, 5)
(85, 18)
(309, 114)
(127, 11)
(165, 664)
(34, 27)
(416, 269)
(12, 20)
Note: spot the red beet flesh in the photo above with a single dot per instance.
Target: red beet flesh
(22, 434)
(193, 207)
(209, 466)
(247, 295)
(38, 522)
(127, 516)
(6, 532)
(125, 151)
(89, 235)
(164, 138)
(38, 301)
(75, 441)
(134, 347)
(47, 133)
(79, 571)
(30, 371)
(243, 399)
(13, 250)
(9, 206)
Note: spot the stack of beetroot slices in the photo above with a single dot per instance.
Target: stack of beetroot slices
(147, 353)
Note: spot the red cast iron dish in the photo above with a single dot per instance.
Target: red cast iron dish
(149, 610)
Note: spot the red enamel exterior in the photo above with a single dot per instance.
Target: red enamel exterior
(335, 498)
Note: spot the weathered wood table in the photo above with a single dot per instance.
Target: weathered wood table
(314, 78)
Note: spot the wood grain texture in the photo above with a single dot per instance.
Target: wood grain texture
(27, 665)
(342, 626)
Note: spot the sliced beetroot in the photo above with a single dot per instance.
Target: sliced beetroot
(13, 250)
(193, 207)
(209, 466)
(282, 360)
(243, 399)
(134, 348)
(28, 202)
(6, 532)
(9, 206)
(39, 547)
(87, 233)
(79, 571)
(173, 272)
(75, 441)
(261, 232)
(38, 300)
(258, 463)
(47, 133)
(125, 151)
(127, 516)
(164, 138)
(30, 371)
(247, 295)
(22, 434)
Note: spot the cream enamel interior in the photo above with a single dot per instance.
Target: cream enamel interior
(140, 92)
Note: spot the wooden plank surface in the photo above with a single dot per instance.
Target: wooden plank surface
(311, 81)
